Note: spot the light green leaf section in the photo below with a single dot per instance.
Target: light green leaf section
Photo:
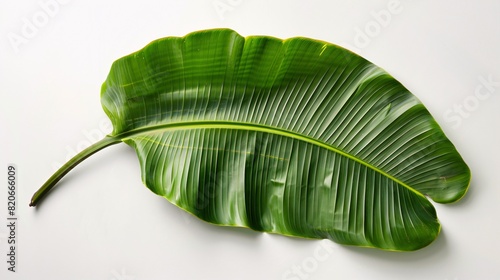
(297, 137)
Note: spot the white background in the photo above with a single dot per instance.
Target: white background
(102, 223)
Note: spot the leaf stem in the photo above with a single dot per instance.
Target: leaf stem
(52, 181)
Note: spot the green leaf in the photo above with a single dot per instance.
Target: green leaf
(297, 137)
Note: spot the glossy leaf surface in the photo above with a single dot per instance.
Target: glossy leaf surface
(298, 137)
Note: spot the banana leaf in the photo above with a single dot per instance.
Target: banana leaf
(297, 137)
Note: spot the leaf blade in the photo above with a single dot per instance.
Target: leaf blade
(308, 92)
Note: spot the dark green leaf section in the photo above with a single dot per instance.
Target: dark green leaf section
(319, 109)
(282, 185)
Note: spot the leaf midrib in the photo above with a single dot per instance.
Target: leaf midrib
(256, 127)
